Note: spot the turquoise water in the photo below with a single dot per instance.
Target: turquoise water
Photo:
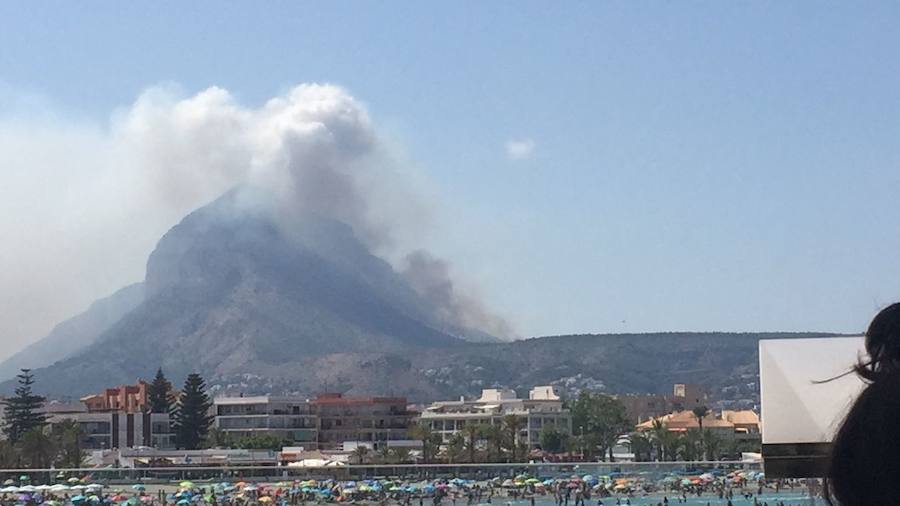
(772, 499)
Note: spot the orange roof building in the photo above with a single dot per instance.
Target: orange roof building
(125, 398)
(734, 422)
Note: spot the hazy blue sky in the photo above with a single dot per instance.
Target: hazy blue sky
(675, 165)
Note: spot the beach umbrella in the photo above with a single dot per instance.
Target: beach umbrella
(77, 498)
(186, 484)
(73, 480)
(9, 482)
(24, 477)
(10, 489)
(27, 488)
(138, 486)
(183, 502)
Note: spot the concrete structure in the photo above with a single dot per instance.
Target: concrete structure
(152, 457)
(288, 418)
(685, 397)
(125, 398)
(360, 419)
(641, 407)
(110, 430)
(542, 408)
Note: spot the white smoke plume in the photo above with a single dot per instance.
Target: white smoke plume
(82, 204)
(431, 278)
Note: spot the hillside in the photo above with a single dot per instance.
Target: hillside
(726, 363)
(231, 291)
(75, 333)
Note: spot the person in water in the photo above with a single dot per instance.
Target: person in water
(864, 465)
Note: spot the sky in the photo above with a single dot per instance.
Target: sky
(587, 166)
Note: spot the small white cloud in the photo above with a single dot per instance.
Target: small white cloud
(519, 149)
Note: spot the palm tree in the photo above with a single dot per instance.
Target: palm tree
(660, 435)
(37, 448)
(711, 444)
(360, 453)
(385, 455)
(700, 413)
(455, 447)
(494, 436)
(512, 424)
(691, 443)
(641, 445)
(401, 454)
(8, 455)
(472, 432)
(427, 436)
(68, 436)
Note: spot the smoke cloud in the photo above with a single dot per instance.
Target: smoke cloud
(431, 278)
(82, 204)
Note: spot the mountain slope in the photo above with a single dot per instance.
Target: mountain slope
(75, 333)
(726, 363)
(258, 303)
(230, 291)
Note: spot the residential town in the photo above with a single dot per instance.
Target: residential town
(118, 427)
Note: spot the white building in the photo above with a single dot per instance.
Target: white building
(111, 430)
(542, 408)
(289, 418)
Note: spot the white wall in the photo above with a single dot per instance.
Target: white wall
(795, 408)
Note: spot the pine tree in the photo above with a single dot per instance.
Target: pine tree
(191, 416)
(21, 413)
(159, 394)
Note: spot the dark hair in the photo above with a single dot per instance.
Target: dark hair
(864, 468)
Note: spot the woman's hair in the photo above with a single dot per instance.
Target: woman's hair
(865, 456)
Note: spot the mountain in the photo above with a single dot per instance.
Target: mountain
(75, 333)
(232, 290)
(257, 302)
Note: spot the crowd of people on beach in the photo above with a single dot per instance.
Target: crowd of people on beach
(576, 490)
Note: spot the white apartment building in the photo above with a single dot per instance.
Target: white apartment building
(542, 407)
(111, 430)
(289, 418)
